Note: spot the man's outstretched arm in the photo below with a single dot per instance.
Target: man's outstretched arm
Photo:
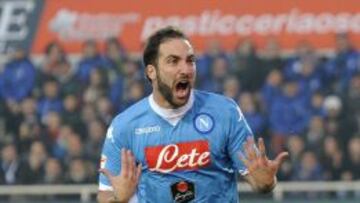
(262, 171)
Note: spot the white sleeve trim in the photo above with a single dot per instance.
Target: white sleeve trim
(103, 187)
(244, 172)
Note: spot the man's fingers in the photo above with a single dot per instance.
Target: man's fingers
(281, 158)
(124, 163)
(244, 159)
(250, 149)
(106, 173)
(262, 149)
(138, 172)
(132, 166)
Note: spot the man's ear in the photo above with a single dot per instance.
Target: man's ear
(151, 72)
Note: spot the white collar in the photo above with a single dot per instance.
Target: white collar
(173, 116)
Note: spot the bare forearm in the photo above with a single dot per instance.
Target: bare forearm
(263, 186)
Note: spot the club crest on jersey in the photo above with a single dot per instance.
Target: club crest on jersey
(204, 123)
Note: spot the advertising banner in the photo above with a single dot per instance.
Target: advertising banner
(18, 22)
(317, 21)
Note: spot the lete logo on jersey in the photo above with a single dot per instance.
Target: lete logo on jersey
(180, 156)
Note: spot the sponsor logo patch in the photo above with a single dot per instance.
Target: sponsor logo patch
(177, 157)
(147, 130)
(183, 191)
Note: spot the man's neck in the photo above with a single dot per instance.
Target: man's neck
(170, 114)
(161, 101)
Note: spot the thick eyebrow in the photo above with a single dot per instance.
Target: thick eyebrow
(172, 57)
(191, 56)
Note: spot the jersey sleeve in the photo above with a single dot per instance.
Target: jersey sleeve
(111, 153)
(238, 135)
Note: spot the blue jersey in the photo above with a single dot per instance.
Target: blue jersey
(189, 154)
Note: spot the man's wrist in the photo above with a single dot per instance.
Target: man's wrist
(116, 199)
(268, 187)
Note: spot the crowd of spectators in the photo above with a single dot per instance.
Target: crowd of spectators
(54, 113)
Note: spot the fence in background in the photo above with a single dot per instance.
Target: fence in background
(86, 192)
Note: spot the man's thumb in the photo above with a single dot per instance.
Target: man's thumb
(281, 157)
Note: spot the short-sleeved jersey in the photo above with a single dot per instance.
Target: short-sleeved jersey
(193, 160)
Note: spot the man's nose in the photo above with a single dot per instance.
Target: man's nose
(187, 69)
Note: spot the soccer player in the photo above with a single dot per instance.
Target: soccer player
(180, 144)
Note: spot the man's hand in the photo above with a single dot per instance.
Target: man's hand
(262, 171)
(125, 183)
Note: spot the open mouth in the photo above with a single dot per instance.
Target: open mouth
(182, 88)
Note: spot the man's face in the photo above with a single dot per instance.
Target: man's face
(175, 71)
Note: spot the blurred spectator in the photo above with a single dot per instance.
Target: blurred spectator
(33, 169)
(10, 165)
(309, 77)
(255, 119)
(75, 148)
(134, 94)
(71, 112)
(93, 144)
(271, 89)
(29, 111)
(88, 113)
(288, 115)
(78, 172)
(54, 55)
(352, 99)
(13, 119)
(309, 168)
(91, 59)
(295, 146)
(122, 83)
(231, 87)
(344, 65)
(333, 159)
(53, 172)
(18, 72)
(27, 135)
(303, 51)
(205, 61)
(104, 106)
(270, 57)
(51, 100)
(353, 157)
(97, 87)
(59, 147)
(219, 72)
(339, 124)
(316, 104)
(68, 145)
(52, 125)
(114, 57)
(316, 133)
(67, 79)
(248, 66)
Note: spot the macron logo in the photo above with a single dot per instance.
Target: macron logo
(147, 130)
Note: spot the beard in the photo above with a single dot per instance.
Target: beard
(168, 94)
(166, 91)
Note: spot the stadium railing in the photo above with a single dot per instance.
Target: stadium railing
(87, 191)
